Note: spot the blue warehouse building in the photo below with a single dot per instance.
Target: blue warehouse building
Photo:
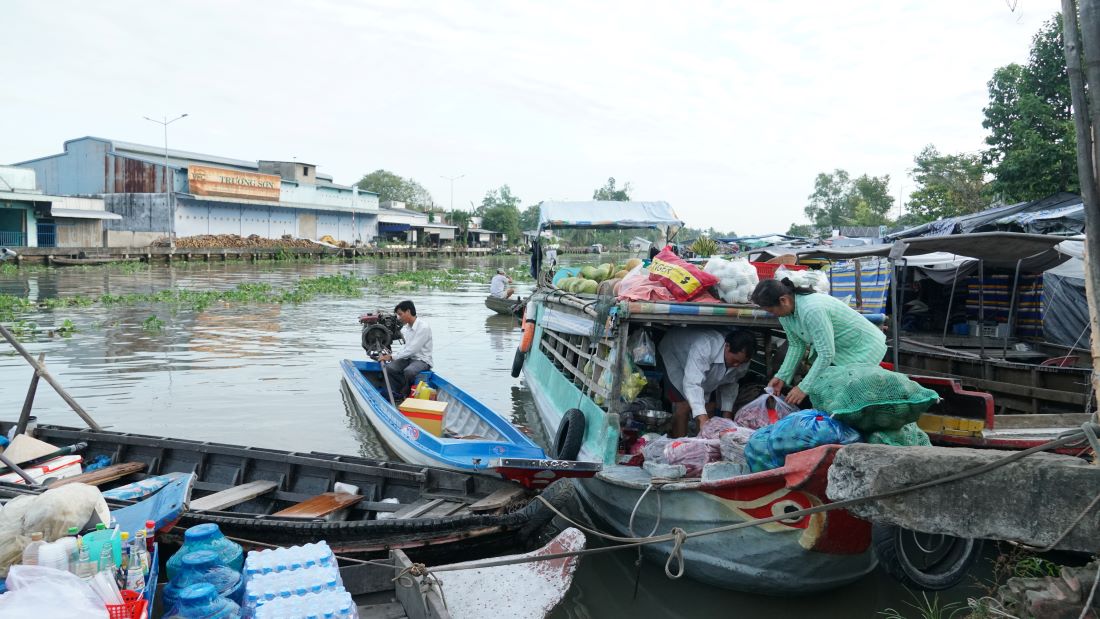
(204, 194)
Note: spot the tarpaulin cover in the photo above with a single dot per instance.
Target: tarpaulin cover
(1011, 217)
(1065, 310)
(607, 214)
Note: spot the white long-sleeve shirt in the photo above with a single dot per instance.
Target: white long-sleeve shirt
(498, 285)
(418, 342)
(695, 364)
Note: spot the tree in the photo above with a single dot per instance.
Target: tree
(947, 185)
(1031, 142)
(838, 200)
(610, 192)
(500, 212)
(390, 186)
(803, 230)
(529, 218)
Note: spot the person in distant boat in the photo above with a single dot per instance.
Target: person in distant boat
(499, 287)
(415, 356)
(700, 364)
(834, 333)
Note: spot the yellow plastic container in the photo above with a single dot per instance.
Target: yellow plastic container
(424, 392)
(428, 414)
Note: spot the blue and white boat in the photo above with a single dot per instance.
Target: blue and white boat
(475, 438)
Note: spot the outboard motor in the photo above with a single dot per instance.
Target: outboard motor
(380, 329)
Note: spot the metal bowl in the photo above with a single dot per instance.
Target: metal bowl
(654, 420)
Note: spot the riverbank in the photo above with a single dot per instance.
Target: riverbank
(59, 256)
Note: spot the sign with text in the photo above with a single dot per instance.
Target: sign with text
(207, 181)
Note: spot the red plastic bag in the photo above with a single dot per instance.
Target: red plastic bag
(693, 453)
(763, 411)
(637, 287)
(684, 280)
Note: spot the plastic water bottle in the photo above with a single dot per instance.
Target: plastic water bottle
(69, 543)
(85, 567)
(30, 553)
(106, 560)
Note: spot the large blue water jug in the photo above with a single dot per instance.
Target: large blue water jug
(203, 566)
(203, 602)
(207, 537)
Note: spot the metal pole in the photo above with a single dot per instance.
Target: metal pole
(28, 403)
(1011, 307)
(981, 309)
(894, 304)
(50, 379)
(950, 302)
(167, 186)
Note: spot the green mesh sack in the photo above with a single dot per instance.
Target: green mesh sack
(910, 435)
(870, 398)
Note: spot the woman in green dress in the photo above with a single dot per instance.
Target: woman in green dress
(834, 333)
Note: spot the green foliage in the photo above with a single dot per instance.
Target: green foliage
(529, 217)
(947, 185)
(926, 608)
(66, 329)
(805, 230)
(838, 200)
(610, 192)
(499, 211)
(390, 186)
(1032, 144)
(152, 323)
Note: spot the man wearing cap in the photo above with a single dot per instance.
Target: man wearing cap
(499, 286)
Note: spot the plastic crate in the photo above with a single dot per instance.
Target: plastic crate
(765, 270)
(133, 606)
(150, 591)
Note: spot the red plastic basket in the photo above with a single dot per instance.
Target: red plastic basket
(767, 271)
(133, 606)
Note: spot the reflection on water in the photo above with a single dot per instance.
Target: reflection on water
(268, 375)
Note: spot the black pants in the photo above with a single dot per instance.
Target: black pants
(401, 373)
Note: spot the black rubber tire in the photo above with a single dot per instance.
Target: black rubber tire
(517, 363)
(896, 551)
(567, 443)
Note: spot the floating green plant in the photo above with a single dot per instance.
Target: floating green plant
(152, 323)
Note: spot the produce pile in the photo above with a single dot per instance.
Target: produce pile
(737, 278)
(215, 241)
(598, 280)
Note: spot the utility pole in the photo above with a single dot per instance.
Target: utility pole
(1086, 119)
(453, 179)
(167, 186)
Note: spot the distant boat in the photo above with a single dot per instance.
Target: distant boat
(88, 261)
(505, 307)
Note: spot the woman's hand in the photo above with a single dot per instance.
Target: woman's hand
(795, 397)
(776, 385)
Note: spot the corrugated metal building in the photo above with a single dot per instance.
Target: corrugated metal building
(211, 194)
(30, 218)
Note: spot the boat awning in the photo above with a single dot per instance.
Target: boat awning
(79, 213)
(1034, 252)
(607, 214)
(389, 227)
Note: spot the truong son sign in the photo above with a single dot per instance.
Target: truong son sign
(207, 181)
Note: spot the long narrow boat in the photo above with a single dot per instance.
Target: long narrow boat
(505, 307)
(63, 261)
(473, 434)
(281, 497)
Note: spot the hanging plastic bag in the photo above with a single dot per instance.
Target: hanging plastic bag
(763, 411)
(632, 378)
(642, 348)
(769, 446)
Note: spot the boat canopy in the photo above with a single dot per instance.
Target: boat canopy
(1032, 252)
(608, 214)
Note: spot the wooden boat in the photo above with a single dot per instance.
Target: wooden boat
(288, 498)
(526, 590)
(504, 307)
(63, 261)
(475, 438)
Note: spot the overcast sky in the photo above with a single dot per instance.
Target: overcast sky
(725, 110)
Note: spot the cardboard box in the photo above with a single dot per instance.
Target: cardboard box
(428, 414)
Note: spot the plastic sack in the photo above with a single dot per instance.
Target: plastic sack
(807, 278)
(765, 410)
(717, 426)
(731, 445)
(910, 435)
(636, 286)
(684, 280)
(642, 348)
(737, 278)
(52, 513)
(633, 379)
(870, 398)
(654, 450)
(693, 453)
(769, 446)
(46, 593)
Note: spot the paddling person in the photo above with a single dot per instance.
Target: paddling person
(699, 364)
(834, 333)
(415, 356)
(499, 287)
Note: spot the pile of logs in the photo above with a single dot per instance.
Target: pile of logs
(211, 241)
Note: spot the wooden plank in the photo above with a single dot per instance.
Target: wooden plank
(320, 505)
(419, 508)
(103, 475)
(497, 499)
(584, 355)
(233, 496)
(392, 610)
(1049, 420)
(575, 372)
(445, 508)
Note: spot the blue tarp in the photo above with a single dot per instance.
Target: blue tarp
(388, 227)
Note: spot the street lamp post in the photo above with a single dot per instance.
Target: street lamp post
(453, 179)
(167, 187)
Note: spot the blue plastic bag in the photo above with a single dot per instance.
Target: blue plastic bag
(769, 446)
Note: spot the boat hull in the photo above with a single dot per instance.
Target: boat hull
(504, 307)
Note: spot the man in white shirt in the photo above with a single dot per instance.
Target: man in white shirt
(499, 286)
(699, 363)
(415, 356)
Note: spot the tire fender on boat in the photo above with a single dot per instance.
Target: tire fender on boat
(528, 335)
(567, 443)
(903, 555)
(517, 363)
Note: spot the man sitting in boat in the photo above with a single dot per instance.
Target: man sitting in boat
(415, 357)
(700, 364)
(499, 286)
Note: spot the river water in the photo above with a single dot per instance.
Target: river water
(267, 375)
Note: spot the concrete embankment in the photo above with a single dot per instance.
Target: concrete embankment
(1033, 500)
(48, 255)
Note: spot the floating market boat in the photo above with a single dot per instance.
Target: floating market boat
(469, 436)
(504, 307)
(287, 498)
